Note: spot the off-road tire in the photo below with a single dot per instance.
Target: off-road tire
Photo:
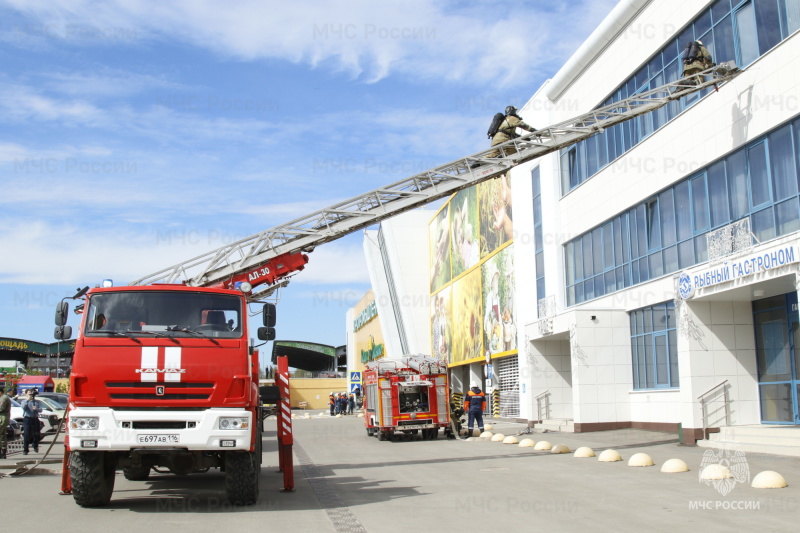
(136, 473)
(92, 477)
(241, 478)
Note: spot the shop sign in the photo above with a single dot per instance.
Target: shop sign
(369, 312)
(763, 261)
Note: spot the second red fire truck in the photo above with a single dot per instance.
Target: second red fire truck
(408, 395)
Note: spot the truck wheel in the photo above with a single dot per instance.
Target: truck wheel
(136, 473)
(92, 477)
(241, 478)
(381, 435)
(434, 433)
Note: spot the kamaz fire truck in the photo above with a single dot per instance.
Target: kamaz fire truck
(163, 373)
(408, 395)
(163, 377)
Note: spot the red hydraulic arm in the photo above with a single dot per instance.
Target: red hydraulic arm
(269, 272)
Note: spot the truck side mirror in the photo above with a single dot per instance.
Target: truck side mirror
(269, 315)
(266, 334)
(61, 313)
(62, 332)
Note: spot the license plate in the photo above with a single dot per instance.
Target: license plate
(418, 426)
(159, 439)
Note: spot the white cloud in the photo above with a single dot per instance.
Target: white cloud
(49, 253)
(492, 42)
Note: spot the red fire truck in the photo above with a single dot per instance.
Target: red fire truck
(163, 376)
(406, 395)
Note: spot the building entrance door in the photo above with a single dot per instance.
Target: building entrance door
(777, 330)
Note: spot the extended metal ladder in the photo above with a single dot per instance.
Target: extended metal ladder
(305, 233)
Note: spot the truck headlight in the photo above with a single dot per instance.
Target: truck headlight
(233, 422)
(84, 422)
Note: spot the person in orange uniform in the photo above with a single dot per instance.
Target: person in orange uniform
(474, 405)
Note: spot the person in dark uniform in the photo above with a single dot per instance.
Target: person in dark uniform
(332, 402)
(475, 405)
(30, 422)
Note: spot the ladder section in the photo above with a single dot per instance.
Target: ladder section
(305, 233)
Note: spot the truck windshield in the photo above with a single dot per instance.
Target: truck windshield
(167, 313)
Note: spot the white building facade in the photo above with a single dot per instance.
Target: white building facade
(657, 262)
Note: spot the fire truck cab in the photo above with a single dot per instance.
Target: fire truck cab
(406, 395)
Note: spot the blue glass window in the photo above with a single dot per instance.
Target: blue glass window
(667, 233)
(741, 34)
(759, 177)
(539, 243)
(784, 175)
(654, 347)
(746, 34)
(718, 194)
(737, 185)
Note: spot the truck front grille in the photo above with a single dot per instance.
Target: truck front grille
(138, 390)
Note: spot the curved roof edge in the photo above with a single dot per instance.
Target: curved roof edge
(607, 31)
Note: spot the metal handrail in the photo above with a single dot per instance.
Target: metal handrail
(712, 388)
(704, 401)
(546, 396)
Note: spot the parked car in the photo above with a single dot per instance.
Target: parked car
(13, 431)
(48, 420)
(61, 397)
(52, 405)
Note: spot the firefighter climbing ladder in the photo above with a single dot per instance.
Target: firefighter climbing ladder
(275, 247)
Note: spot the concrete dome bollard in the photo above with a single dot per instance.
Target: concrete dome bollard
(527, 443)
(511, 439)
(542, 445)
(674, 466)
(498, 437)
(640, 459)
(360, 415)
(488, 427)
(769, 479)
(560, 448)
(487, 435)
(339, 416)
(584, 451)
(715, 471)
(609, 456)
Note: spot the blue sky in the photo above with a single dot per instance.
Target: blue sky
(139, 134)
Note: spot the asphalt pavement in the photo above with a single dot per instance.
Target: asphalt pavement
(346, 481)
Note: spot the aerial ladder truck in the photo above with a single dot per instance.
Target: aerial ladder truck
(163, 374)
